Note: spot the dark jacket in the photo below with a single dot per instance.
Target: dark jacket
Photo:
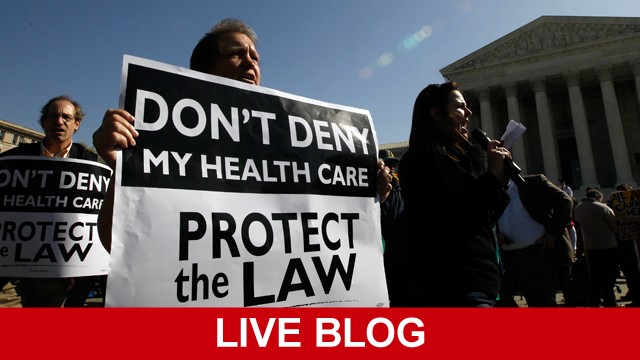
(390, 210)
(33, 149)
(551, 207)
(450, 209)
(392, 234)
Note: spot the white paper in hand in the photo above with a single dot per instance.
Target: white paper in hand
(513, 133)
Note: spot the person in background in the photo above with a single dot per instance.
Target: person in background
(598, 226)
(571, 228)
(390, 161)
(393, 205)
(564, 270)
(534, 241)
(450, 250)
(390, 211)
(60, 118)
(562, 184)
(629, 264)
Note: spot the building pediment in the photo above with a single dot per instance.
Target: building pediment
(548, 37)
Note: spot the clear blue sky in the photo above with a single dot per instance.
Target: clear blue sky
(348, 52)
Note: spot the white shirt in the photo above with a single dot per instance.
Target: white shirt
(567, 189)
(517, 225)
(64, 153)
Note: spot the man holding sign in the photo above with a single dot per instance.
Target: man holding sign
(214, 160)
(41, 234)
(229, 50)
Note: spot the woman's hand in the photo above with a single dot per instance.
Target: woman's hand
(496, 155)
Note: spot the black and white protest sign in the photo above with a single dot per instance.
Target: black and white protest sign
(239, 195)
(626, 206)
(48, 217)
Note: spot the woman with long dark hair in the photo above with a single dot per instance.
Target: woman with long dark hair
(454, 192)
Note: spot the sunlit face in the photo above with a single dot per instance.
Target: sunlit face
(59, 125)
(238, 60)
(459, 113)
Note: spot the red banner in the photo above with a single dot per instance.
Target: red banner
(318, 333)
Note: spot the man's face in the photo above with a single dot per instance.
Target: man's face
(239, 59)
(60, 123)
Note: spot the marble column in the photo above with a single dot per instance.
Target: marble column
(486, 115)
(547, 133)
(581, 130)
(635, 66)
(513, 110)
(614, 125)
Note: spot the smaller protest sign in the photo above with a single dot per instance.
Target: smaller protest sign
(48, 217)
(626, 206)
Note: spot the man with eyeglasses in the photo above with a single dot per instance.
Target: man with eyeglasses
(60, 118)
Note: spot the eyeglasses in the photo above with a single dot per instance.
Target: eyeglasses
(65, 117)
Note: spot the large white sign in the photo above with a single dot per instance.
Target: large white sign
(239, 195)
(48, 217)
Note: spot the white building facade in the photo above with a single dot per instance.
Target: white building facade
(574, 83)
(12, 135)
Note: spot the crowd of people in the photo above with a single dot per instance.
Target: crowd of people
(458, 228)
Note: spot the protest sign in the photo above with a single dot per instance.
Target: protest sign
(626, 207)
(239, 195)
(48, 217)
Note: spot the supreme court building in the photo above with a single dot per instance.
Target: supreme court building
(12, 135)
(574, 82)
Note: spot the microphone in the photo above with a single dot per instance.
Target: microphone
(512, 170)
